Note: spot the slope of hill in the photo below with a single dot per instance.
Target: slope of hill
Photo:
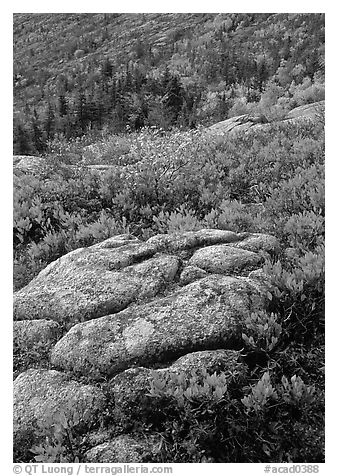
(74, 72)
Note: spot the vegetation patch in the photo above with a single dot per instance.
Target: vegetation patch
(123, 145)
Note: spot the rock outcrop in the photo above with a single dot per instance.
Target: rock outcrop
(115, 311)
(240, 123)
(28, 164)
(202, 315)
(250, 123)
(122, 449)
(93, 282)
(106, 278)
(43, 397)
(307, 111)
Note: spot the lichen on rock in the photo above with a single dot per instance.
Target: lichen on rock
(204, 314)
(42, 395)
(175, 303)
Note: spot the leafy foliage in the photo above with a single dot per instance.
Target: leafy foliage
(189, 388)
(205, 422)
(158, 182)
(62, 440)
(264, 331)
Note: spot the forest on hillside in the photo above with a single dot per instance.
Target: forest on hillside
(80, 73)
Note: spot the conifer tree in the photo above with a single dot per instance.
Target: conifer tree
(21, 143)
(48, 122)
(37, 135)
(62, 105)
(81, 111)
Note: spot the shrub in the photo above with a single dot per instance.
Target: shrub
(61, 432)
(181, 220)
(299, 295)
(234, 216)
(205, 423)
(112, 151)
(262, 331)
(307, 92)
(271, 181)
(305, 230)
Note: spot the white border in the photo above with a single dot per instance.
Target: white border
(7, 11)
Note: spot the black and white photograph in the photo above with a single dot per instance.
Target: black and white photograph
(168, 240)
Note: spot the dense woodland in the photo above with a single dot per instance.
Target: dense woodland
(121, 72)
(134, 92)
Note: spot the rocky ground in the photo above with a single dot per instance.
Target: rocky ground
(92, 326)
(250, 123)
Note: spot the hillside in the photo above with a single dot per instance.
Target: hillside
(80, 72)
(169, 232)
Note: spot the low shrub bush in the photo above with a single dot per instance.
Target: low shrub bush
(268, 182)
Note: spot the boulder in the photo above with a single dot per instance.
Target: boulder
(230, 258)
(106, 278)
(260, 275)
(236, 124)
(192, 239)
(117, 241)
(97, 437)
(123, 449)
(28, 164)
(92, 282)
(42, 397)
(247, 123)
(258, 243)
(220, 360)
(127, 307)
(190, 274)
(307, 111)
(205, 314)
(225, 259)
